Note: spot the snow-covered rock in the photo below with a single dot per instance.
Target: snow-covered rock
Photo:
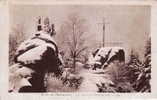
(37, 49)
(34, 56)
(106, 55)
(35, 41)
(18, 77)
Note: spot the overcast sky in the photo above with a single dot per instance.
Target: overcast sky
(127, 24)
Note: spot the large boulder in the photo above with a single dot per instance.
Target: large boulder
(104, 56)
(33, 58)
(39, 53)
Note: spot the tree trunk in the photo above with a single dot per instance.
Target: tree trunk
(74, 61)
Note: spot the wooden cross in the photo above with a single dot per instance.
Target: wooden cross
(103, 35)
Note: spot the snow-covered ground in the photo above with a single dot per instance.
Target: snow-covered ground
(91, 78)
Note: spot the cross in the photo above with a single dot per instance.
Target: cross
(103, 36)
(104, 27)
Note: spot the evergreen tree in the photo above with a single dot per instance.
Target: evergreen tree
(133, 67)
(143, 80)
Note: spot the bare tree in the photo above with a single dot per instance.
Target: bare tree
(73, 36)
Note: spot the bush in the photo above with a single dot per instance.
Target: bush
(55, 85)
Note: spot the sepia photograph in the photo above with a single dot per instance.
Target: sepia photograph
(79, 48)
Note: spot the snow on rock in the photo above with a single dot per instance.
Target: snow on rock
(31, 52)
(34, 48)
(30, 42)
(33, 55)
(18, 77)
(45, 35)
(105, 52)
(35, 41)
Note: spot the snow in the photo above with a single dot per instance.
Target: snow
(91, 78)
(34, 54)
(24, 82)
(18, 77)
(91, 60)
(61, 59)
(24, 71)
(36, 41)
(28, 43)
(14, 67)
(45, 35)
(103, 52)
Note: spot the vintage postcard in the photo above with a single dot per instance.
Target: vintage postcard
(76, 50)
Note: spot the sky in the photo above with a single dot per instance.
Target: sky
(129, 25)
